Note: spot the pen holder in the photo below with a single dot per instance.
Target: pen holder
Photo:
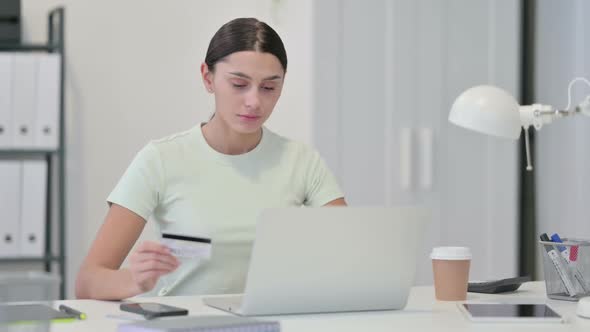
(566, 268)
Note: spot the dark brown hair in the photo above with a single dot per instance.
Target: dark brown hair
(245, 34)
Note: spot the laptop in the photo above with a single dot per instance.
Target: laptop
(330, 259)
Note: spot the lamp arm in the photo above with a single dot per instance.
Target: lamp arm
(538, 115)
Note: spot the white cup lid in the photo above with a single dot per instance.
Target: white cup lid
(451, 253)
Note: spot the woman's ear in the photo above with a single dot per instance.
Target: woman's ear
(207, 77)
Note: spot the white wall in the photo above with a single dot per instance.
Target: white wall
(133, 75)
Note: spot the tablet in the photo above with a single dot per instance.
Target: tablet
(508, 312)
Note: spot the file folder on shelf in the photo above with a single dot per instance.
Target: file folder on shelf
(10, 196)
(5, 100)
(48, 102)
(10, 21)
(33, 205)
(24, 95)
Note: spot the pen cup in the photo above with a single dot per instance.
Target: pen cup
(566, 268)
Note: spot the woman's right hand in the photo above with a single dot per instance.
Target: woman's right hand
(149, 262)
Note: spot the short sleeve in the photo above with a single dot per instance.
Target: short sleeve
(140, 187)
(321, 186)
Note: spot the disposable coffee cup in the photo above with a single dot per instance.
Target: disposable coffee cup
(450, 267)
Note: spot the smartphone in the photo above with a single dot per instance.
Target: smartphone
(152, 310)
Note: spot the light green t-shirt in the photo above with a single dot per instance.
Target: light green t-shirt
(190, 189)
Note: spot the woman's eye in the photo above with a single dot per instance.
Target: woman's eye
(239, 86)
(268, 88)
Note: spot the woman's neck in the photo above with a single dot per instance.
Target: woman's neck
(224, 140)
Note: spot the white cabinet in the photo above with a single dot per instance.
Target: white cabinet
(387, 73)
(562, 160)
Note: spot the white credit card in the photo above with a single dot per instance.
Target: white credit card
(187, 246)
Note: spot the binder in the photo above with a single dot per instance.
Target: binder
(10, 196)
(10, 8)
(36, 314)
(10, 21)
(33, 205)
(24, 95)
(5, 100)
(46, 134)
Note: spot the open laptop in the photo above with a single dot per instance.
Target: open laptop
(330, 259)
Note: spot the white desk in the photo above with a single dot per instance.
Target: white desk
(422, 313)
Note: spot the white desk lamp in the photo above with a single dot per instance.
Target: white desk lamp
(493, 111)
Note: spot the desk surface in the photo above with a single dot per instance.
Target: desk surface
(423, 313)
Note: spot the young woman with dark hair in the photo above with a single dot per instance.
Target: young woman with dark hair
(209, 181)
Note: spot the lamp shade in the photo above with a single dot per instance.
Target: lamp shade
(489, 110)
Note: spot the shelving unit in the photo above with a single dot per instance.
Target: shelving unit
(55, 158)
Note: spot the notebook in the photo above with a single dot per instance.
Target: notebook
(29, 313)
(202, 323)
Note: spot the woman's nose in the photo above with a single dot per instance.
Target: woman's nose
(253, 99)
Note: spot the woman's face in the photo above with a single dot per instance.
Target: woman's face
(247, 85)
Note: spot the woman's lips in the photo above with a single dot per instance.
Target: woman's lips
(248, 117)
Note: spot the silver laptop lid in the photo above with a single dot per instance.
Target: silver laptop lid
(309, 260)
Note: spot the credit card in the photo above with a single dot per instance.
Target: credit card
(184, 246)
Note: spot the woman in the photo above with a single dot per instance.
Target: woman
(210, 181)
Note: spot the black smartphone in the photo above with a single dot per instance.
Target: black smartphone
(152, 310)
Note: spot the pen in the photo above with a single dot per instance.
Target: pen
(72, 311)
(565, 253)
